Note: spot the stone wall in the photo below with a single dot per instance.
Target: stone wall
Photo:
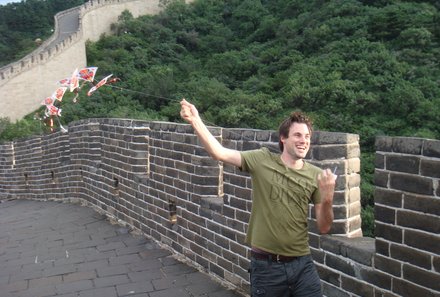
(407, 213)
(155, 177)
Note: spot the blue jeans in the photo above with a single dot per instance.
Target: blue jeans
(297, 278)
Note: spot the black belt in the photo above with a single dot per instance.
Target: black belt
(272, 257)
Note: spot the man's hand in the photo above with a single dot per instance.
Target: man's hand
(324, 210)
(188, 111)
(326, 184)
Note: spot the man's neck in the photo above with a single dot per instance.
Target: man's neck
(291, 162)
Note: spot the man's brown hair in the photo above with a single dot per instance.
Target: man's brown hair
(295, 117)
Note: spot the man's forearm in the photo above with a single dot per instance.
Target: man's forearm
(209, 142)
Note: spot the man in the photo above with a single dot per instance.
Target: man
(283, 186)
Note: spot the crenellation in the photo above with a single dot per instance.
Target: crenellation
(131, 170)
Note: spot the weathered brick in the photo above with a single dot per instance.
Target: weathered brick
(418, 221)
(332, 291)
(388, 197)
(325, 137)
(217, 270)
(379, 161)
(411, 183)
(329, 275)
(430, 168)
(384, 143)
(406, 288)
(357, 287)
(425, 204)
(382, 246)
(402, 163)
(407, 145)
(341, 264)
(381, 178)
(329, 152)
(389, 232)
(413, 256)
(422, 277)
(423, 241)
(384, 214)
(377, 278)
(431, 148)
(388, 265)
(436, 263)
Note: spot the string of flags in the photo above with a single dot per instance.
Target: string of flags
(74, 84)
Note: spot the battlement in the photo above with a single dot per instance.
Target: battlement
(156, 177)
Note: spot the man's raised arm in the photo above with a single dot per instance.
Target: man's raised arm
(217, 151)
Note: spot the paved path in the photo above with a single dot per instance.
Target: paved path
(61, 249)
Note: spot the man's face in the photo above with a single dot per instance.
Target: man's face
(297, 144)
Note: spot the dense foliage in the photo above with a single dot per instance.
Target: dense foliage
(23, 25)
(364, 67)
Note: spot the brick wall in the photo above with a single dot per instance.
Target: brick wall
(155, 177)
(407, 213)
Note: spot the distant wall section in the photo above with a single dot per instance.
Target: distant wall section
(24, 84)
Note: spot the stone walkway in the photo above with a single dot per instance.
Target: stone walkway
(60, 249)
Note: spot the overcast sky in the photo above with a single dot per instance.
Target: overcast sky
(3, 2)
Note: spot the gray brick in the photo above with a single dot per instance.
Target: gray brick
(425, 204)
(112, 270)
(181, 292)
(332, 291)
(329, 152)
(422, 277)
(381, 178)
(401, 163)
(46, 281)
(111, 280)
(423, 241)
(357, 287)
(431, 148)
(377, 278)
(430, 168)
(38, 291)
(411, 183)
(379, 161)
(388, 265)
(384, 143)
(132, 288)
(436, 264)
(405, 288)
(384, 214)
(388, 232)
(418, 221)
(99, 292)
(74, 286)
(170, 282)
(329, 275)
(341, 264)
(388, 197)
(407, 145)
(413, 256)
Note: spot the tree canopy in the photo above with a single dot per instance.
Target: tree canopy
(24, 24)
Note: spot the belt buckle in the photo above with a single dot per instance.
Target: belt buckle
(278, 259)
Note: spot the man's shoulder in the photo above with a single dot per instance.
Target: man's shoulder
(312, 167)
(263, 152)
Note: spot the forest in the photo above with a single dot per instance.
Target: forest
(364, 67)
(23, 25)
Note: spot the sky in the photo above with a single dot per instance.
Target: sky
(3, 2)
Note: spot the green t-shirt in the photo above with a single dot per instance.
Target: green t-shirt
(281, 197)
